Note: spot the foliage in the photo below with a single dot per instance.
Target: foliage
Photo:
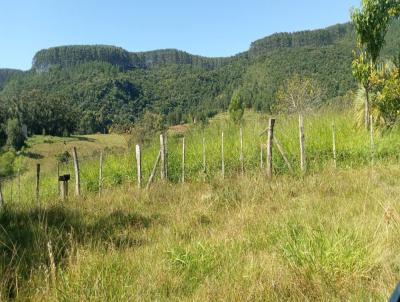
(66, 56)
(385, 97)
(15, 137)
(236, 107)
(7, 163)
(6, 74)
(147, 128)
(64, 157)
(371, 24)
(299, 94)
(315, 38)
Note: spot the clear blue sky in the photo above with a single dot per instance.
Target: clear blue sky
(204, 27)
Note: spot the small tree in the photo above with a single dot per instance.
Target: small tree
(236, 108)
(15, 137)
(147, 127)
(7, 163)
(298, 94)
(371, 23)
(64, 157)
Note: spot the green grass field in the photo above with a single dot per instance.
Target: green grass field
(332, 234)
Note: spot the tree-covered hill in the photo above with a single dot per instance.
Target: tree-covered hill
(6, 74)
(68, 56)
(102, 87)
(310, 38)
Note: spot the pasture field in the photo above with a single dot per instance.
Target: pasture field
(332, 234)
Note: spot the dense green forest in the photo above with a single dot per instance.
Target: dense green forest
(6, 74)
(87, 89)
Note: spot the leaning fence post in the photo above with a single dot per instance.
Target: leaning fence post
(302, 144)
(261, 156)
(153, 172)
(183, 159)
(139, 166)
(37, 182)
(334, 144)
(371, 130)
(269, 146)
(222, 155)
(282, 152)
(241, 152)
(101, 173)
(77, 173)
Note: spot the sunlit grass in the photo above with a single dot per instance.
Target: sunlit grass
(329, 235)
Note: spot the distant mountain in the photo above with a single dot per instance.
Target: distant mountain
(67, 56)
(110, 86)
(310, 38)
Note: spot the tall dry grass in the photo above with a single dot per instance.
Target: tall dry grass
(331, 236)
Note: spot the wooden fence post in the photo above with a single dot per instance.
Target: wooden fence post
(166, 154)
(302, 144)
(11, 189)
(64, 189)
(153, 172)
(371, 131)
(139, 166)
(334, 144)
(2, 202)
(282, 152)
(241, 152)
(261, 156)
(204, 155)
(19, 185)
(37, 182)
(183, 160)
(269, 146)
(101, 173)
(58, 176)
(162, 154)
(77, 173)
(222, 155)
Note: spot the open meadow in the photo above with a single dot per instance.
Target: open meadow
(333, 232)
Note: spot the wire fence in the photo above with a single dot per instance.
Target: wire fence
(208, 154)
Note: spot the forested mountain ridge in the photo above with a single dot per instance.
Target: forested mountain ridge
(67, 56)
(6, 74)
(108, 87)
(309, 38)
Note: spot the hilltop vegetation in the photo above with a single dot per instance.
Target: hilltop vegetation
(112, 88)
(6, 74)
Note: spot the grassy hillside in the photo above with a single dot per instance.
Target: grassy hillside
(353, 150)
(331, 234)
(44, 149)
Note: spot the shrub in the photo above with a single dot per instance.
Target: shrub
(15, 137)
(236, 108)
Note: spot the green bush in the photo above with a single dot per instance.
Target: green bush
(7, 163)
